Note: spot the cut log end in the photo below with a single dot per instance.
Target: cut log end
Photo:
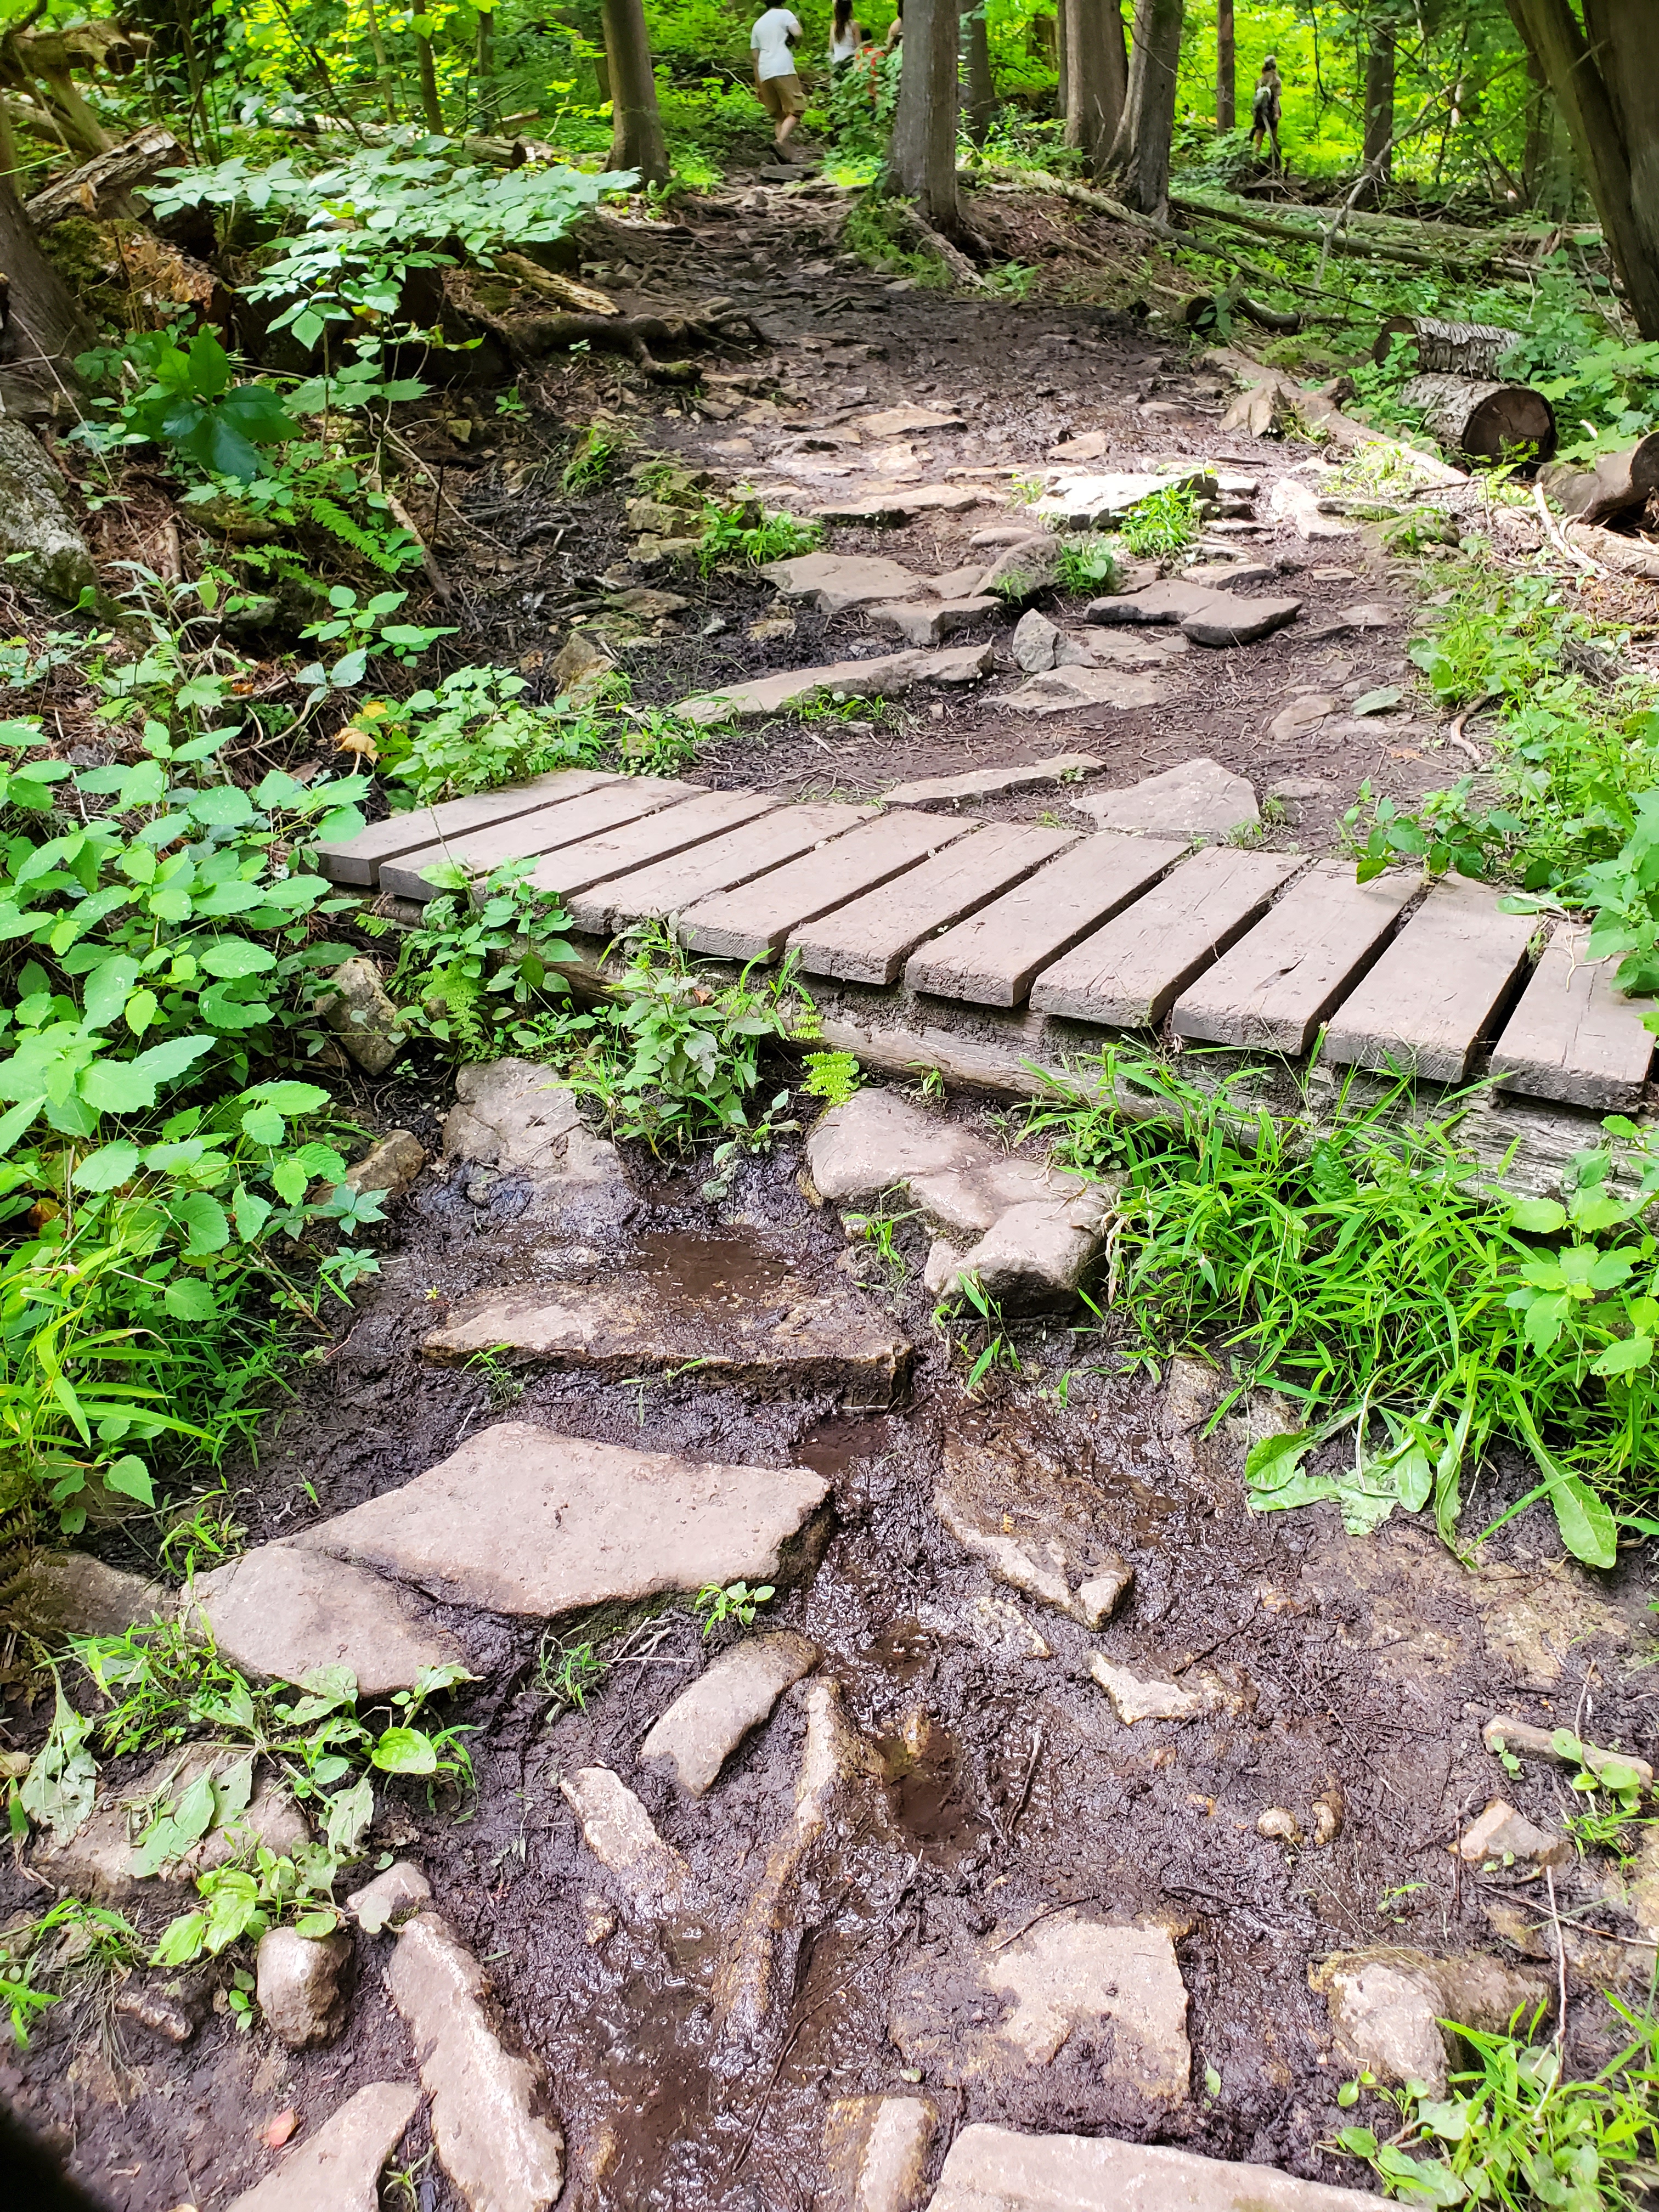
(1487, 422)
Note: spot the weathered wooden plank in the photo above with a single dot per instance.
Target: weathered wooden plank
(358, 860)
(1284, 977)
(869, 941)
(990, 959)
(670, 887)
(1575, 1037)
(1128, 975)
(670, 829)
(752, 922)
(619, 799)
(1438, 988)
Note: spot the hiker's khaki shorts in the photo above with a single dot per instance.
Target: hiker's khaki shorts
(781, 96)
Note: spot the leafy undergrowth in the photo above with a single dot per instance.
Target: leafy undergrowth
(1355, 1262)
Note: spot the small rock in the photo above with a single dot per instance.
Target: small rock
(1038, 1561)
(392, 1897)
(772, 626)
(1005, 533)
(362, 1015)
(1386, 2007)
(620, 1833)
(581, 670)
(1167, 600)
(391, 1165)
(1369, 614)
(930, 621)
(650, 606)
(1328, 1815)
(1062, 690)
(876, 2151)
(1024, 571)
(338, 2168)
(75, 1595)
(944, 1259)
(705, 1724)
(653, 517)
(1304, 713)
(978, 782)
(1037, 1256)
(1503, 1833)
(300, 1984)
(487, 2124)
(992, 2169)
(40, 537)
(1198, 1693)
(598, 1921)
(888, 675)
(1227, 575)
(1229, 620)
(1278, 1826)
(1503, 1733)
(1199, 798)
(1298, 505)
(1039, 643)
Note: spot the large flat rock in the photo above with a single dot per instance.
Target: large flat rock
(1199, 798)
(886, 675)
(801, 1340)
(278, 1612)
(96, 1861)
(705, 1723)
(523, 1522)
(992, 2169)
(1082, 502)
(1066, 690)
(836, 581)
(338, 2168)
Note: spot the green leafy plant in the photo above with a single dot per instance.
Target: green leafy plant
(737, 1601)
(192, 405)
(831, 1076)
(1164, 522)
(476, 731)
(743, 532)
(480, 974)
(567, 1675)
(1088, 564)
(79, 1944)
(592, 458)
(366, 633)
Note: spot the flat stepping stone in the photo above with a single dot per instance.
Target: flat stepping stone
(754, 922)
(1199, 798)
(895, 503)
(340, 2165)
(1059, 690)
(97, 1861)
(622, 1836)
(992, 2169)
(1128, 975)
(1437, 989)
(930, 621)
(992, 958)
(590, 1524)
(665, 887)
(1165, 600)
(979, 782)
(1575, 1036)
(906, 422)
(752, 1336)
(1204, 615)
(278, 1612)
(869, 940)
(624, 799)
(886, 675)
(654, 838)
(705, 1724)
(836, 581)
(1287, 974)
(1087, 500)
(358, 860)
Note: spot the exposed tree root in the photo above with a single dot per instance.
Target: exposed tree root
(527, 337)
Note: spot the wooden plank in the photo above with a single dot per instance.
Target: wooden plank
(357, 860)
(621, 799)
(670, 887)
(1284, 977)
(990, 959)
(1128, 975)
(1575, 1037)
(671, 829)
(1437, 989)
(869, 941)
(752, 922)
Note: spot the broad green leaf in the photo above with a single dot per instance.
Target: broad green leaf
(204, 1220)
(289, 1098)
(1587, 1527)
(236, 956)
(188, 1299)
(108, 1168)
(1273, 1460)
(349, 1815)
(1540, 1217)
(131, 1477)
(1625, 1356)
(181, 1941)
(405, 1750)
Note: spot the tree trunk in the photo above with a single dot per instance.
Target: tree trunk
(1379, 103)
(1448, 348)
(44, 328)
(1140, 156)
(1062, 62)
(636, 139)
(1226, 68)
(484, 58)
(981, 85)
(1096, 76)
(431, 108)
(1617, 484)
(923, 157)
(1548, 175)
(99, 187)
(1606, 86)
(383, 74)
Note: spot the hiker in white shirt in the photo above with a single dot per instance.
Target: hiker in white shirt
(771, 40)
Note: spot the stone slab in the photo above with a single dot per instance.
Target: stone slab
(868, 940)
(1087, 500)
(528, 1523)
(754, 1338)
(1286, 976)
(621, 1834)
(278, 1612)
(754, 922)
(1575, 1036)
(876, 2151)
(1229, 619)
(1129, 974)
(930, 621)
(546, 830)
(990, 959)
(72, 1594)
(753, 849)
(358, 860)
(977, 783)
(886, 675)
(895, 504)
(338, 2168)
(1062, 690)
(836, 581)
(1438, 988)
(992, 2169)
(1198, 799)
(905, 422)
(705, 1724)
(879, 1140)
(657, 837)
(96, 1861)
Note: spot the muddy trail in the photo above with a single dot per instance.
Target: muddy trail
(1075, 1799)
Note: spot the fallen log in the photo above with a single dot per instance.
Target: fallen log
(1617, 484)
(1039, 180)
(1448, 348)
(1625, 556)
(1367, 247)
(100, 186)
(1272, 401)
(1487, 422)
(565, 290)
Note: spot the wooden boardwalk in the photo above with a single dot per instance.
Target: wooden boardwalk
(1071, 938)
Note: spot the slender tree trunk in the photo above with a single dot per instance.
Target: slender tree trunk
(1226, 68)
(1379, 103)
(383, 75)
(636, 139)
(1549, 176)
(981, 85)
(431, 107)
(1140, 156)
(1097, 78)
(1062, 62)
(1605, 77)
(923, 156)
(45, 328)
(484, 58)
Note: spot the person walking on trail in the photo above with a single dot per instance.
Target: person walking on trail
(1264, 110)
(771, 39)
(846, 37)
